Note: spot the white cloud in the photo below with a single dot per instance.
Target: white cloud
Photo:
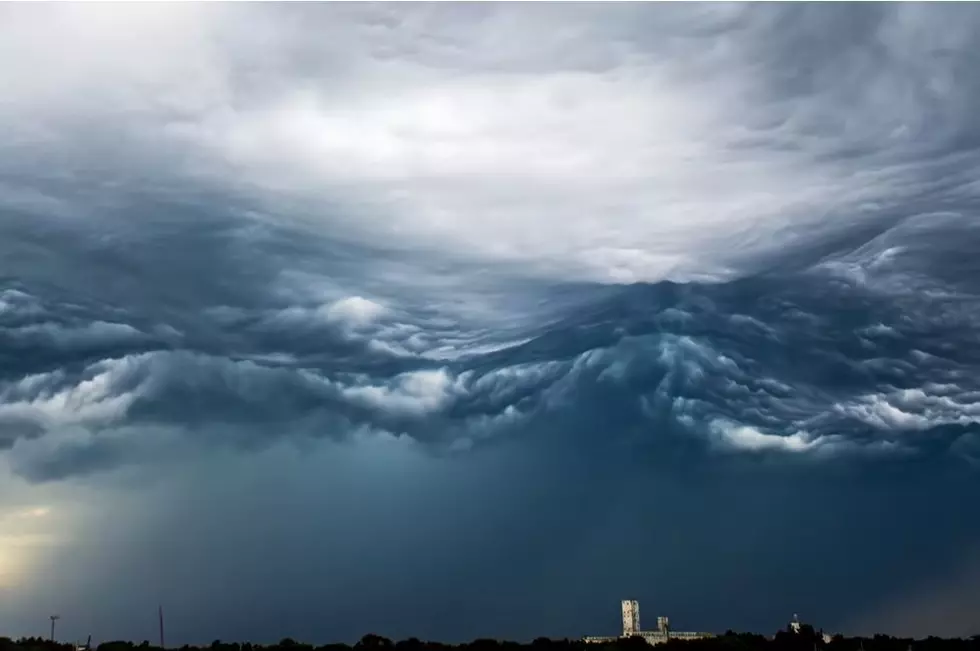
(48, 400)
(601, 176)
(743, 437)
(917, 409)
(415, 393)
(354, 311)
(616, 144)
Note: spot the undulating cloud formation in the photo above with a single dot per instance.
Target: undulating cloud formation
(462, 320)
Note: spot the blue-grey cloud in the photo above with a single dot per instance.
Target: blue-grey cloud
(471, 320)
(859, 353)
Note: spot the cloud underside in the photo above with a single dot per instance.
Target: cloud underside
(237, 224)
(759, 366)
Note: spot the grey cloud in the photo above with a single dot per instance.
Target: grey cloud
(94, 335)
(762, 365)
(317, 284)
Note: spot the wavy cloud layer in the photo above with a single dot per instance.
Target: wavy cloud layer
(866, 353)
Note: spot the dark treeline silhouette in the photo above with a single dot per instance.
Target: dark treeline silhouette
(806, 640)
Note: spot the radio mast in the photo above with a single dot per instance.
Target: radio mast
(162, 644)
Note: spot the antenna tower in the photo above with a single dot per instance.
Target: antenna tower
(162, 644)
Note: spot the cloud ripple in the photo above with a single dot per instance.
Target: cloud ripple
(867, 353)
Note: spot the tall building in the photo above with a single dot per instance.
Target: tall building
(631, 617)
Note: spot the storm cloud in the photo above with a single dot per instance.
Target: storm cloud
(471, 320)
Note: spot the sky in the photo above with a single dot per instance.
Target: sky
(472, 320)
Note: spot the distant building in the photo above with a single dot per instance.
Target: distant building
(794, 625)
(631, 617)
(631, 628)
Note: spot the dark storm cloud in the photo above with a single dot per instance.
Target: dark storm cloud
(472, 320)
(857, 354)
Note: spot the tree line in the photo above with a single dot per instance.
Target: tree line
(807, 639)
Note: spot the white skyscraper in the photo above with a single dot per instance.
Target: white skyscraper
(631, 617)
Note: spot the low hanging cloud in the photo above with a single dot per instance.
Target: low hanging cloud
(752, 368)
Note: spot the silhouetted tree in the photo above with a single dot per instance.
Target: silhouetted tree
(372, 641)
(807, 639)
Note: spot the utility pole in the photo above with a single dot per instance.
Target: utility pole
(162, 644)
(53, 618)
